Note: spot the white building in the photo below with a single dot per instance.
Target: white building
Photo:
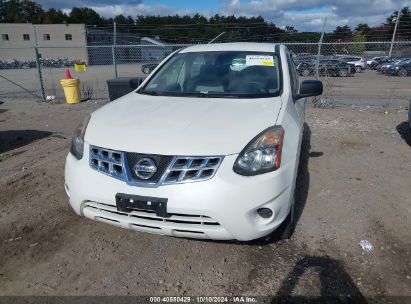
(76, 43)
(55, 41)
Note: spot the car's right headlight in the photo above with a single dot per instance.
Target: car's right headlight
(262, 154)
(77, 143)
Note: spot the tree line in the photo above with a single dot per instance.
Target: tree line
(192, 28)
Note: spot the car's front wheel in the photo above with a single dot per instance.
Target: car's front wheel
(146, 70)
(402, 72)
(305, 73)
(358, 69)
(343, 73)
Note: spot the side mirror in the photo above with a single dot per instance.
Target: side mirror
(309, 88)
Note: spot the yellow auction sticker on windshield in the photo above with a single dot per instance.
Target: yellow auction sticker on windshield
(265, 60)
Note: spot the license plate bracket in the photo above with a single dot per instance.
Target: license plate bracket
(129, 202)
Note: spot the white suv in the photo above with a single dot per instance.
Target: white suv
(207, 147)
(359, 62)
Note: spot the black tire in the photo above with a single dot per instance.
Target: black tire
(343, 73)
(146, 70)
(358, 69)
(305, 73)
(402, 72)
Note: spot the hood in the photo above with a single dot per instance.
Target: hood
(180, 125)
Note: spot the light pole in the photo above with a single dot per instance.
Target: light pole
(395, 31)
(317, 64)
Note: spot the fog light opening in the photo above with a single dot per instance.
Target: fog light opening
(265, 212)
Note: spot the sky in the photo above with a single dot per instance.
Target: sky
(305, 15)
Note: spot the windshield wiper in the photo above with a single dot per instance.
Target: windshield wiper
(152, 93)
(198, 94)
(213, 95)
(224, 96)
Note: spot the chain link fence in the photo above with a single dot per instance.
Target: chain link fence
(36, 72)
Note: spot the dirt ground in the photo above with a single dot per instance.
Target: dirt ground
(353, 185)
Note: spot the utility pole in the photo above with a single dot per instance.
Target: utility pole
(113, 47)
(395, 31)
(317, 65)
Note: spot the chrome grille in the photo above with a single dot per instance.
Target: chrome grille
(108, 162)
(172, 169)
(188, 169)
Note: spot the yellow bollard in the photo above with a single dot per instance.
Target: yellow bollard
(71, 89)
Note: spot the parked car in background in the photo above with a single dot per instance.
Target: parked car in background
(327, 67)
(385, 62)
(359, 62)
(207, 147)
(388, 65)
(402, 68)
(305, 68)
(379, 62)
(371, 63)
(335, 67)
(148, 67)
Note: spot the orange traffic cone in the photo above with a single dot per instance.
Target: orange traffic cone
(68, 75)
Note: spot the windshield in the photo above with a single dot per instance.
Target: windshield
(217, 74)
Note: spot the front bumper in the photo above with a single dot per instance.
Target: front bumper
(384, 70)
(222, 208)
(390, 71)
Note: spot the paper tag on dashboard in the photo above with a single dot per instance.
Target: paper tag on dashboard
(259, 60)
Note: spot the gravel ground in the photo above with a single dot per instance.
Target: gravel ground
(353, 185)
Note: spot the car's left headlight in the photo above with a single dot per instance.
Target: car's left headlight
(262, 154)
(77, 143)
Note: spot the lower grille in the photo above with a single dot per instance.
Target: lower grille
(184, 219)
(180, 224)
